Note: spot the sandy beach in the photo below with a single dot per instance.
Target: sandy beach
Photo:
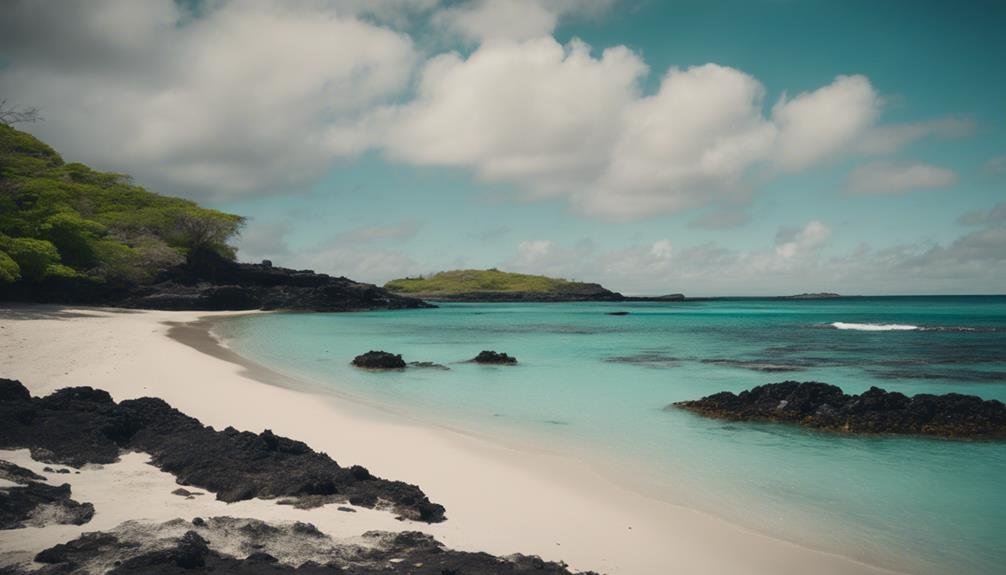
(499, 498)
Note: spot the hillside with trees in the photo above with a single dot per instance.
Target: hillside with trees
(63, 220)
(72, 234)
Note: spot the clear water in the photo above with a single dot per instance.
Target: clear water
(597, 385)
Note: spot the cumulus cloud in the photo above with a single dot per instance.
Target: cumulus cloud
(815, 126)
(264, 96)
(234, 101)
(886, 178)
(561, 121)
(797, 261)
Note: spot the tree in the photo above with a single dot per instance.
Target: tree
(208, 230)
(10, 115)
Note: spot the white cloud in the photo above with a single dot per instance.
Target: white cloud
(237, 100)
(263, 96)
(489, 20)
(885, 178)
(560, 121)
(796, 262)
(533, 112)
(818, 125)
(891, 138)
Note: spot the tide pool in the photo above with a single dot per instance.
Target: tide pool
(596, 385)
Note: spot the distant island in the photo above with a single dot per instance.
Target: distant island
(817, 295)
(493, 285)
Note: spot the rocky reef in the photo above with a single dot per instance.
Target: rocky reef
(33, 503)
(826, 407)
(379, 360)
(227, 545)
(494, 358)
(79, 425)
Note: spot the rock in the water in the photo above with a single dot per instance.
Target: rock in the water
(32, 503)
(79, 425)
(379, 360)
(232, 546)
(826, 407)
(492, 357)
(428, 365)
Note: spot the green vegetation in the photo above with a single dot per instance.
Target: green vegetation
(474, 281)
(60, 220)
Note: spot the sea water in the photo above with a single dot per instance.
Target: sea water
(597, 385)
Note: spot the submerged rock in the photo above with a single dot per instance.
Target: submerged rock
(227, 545)
(32, 503)
(826, 407)
(492, 357)
(428, 365)
(379, 360)
(80, 425)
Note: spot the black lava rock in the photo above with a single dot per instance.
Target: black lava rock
(159, 549)
(32, 503)
(492, 357)
(826, 407)
(74, 426)
(379, 360)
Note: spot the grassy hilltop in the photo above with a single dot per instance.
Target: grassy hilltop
(459, 282)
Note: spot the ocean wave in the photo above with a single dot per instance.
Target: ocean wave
(874, 326)
(909, 327)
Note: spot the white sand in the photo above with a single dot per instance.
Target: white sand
(499, 499)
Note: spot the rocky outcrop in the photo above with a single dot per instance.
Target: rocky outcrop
(210, 282)
(494, 358)
(33, 503)
(379, 360)
(79, 425)
(227, 545)
(826, 407)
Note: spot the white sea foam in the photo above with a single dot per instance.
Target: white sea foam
(874, 326)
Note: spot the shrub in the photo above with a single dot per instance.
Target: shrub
(10, 272)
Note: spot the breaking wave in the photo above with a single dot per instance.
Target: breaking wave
(909, 327)
(874, 326)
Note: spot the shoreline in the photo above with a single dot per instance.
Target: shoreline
(543, 503)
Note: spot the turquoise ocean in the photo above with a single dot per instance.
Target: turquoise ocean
(596, 385)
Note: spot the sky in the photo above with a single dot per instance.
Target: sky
(755, 147)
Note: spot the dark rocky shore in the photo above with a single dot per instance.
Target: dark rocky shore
(34, 503)
(75, 426)
(826, 407)
(215, 283)
(227, 545)
(209, 282)
(80, 425)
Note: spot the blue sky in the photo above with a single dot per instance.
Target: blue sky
(710, 148)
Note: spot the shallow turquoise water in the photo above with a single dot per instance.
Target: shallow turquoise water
(597, 384)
